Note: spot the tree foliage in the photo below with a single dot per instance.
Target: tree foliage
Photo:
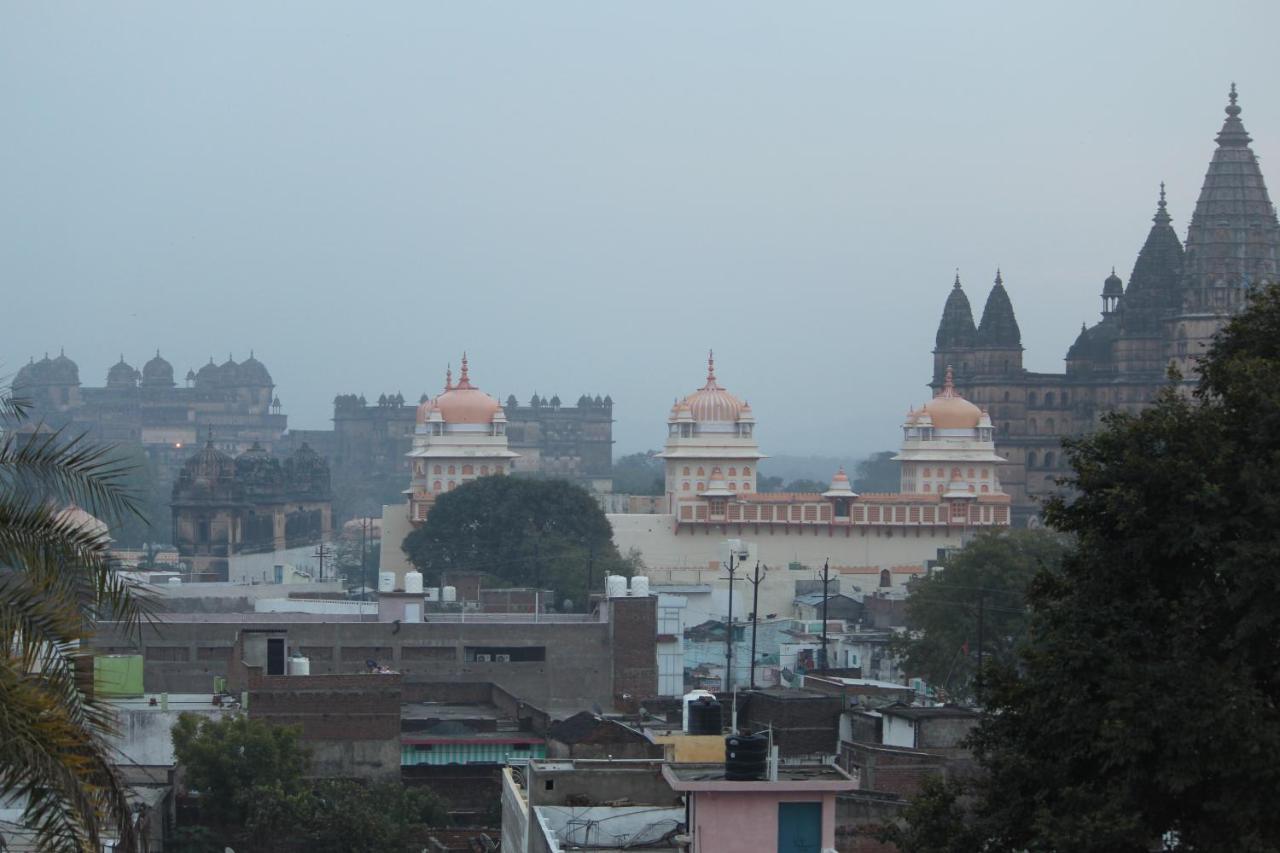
(55, 585)
(524, 531)
(878, 473)
(254, 794)
(1144, 712)
(991, 573)
(639, 474)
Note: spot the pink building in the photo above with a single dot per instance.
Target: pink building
(795, 813)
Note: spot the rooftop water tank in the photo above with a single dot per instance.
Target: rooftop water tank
(746, 758)
(689, 697)
(413, 582)
(386, 581)
(615, 586)
(640, 586)
(450, 594)
(704, 716)
(299, 666)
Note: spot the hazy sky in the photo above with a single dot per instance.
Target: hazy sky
(587, 196)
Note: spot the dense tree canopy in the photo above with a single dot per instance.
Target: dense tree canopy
(525, 532)
(639, 474)
(254, 793)
(987, 578)
(878, 473)
(1144, 712)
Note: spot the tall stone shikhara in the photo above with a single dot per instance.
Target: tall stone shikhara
(1178, 295)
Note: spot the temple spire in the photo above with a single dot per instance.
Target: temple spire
(1162, 209)
(464, 378)
(448, 378)
(1233, 134)
(999, 327)
(956, 328)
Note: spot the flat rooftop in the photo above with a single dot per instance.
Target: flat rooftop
(791, 777)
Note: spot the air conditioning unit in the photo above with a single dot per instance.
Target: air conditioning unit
(502, 658)
(484, 658)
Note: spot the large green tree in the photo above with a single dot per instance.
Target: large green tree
(878, 473)
(254, 793)
(55, 585)
(639, 474)
(981, 589)
(523, 531)
(1144, 711)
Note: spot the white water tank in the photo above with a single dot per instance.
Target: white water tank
(687, 699)
(615, 586)
(640, 586)
(299, 666)
(450, 594)
(386, 581)
(413, 582)
(175, 581)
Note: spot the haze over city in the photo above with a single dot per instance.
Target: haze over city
(588, 197)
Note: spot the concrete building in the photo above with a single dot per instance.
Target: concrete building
(1178, 295)
(555, 661)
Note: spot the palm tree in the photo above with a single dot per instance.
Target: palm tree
(55, 584)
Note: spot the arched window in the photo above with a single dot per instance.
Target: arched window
(1066, 398)
(928, 488)
(1032, 459)
(886, 579)
(955, 473)
(437, 470)
(452, 470)
(746, 487)
(1048, 398)
(986, 472)
(985, 489)
(715, 472)
(733, 487)
(702, 487)
(971, 474)
(746, 472)
(1032, 427)
(1006, 396)
(436, 486)
(685, 487)
(733, 472)
(484, 470)
(1049, 426)
(685, 471)
(924, 472)
(1031, 398)
(701, 472)
(1048, 459)
(467, 470)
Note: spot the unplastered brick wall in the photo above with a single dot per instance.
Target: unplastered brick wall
(633, 635)
(330, 707)
(804, 722)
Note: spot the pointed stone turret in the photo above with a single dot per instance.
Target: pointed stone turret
(1233, 238)
(1155, 286)
(999, 328)
(957, 328)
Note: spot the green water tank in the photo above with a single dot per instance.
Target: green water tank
(117, 675)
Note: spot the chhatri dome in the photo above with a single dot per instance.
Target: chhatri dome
(948, 410)
(711, 404)
(463, 403)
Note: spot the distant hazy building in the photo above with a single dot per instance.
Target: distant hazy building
(252, 504)
(148, 408)
(370, 442)
(1178, 295)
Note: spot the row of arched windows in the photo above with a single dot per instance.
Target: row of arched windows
(733, 486)
(467, 470)
(1051, 460)
(733, 472)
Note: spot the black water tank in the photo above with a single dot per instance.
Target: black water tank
(704, 716)
(746, 757)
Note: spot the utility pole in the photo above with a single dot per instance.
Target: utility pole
(826, 579)
(755, 617)
(982, 601)
(591, 561)
(321, 552)
(728, 642)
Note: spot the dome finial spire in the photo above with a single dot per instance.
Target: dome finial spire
(1162, 209)
(464, 378)
(448, 377)
(956, 286)
(999, 280)
(949, 383)
(711, 368)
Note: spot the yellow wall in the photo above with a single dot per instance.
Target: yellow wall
(692, 749)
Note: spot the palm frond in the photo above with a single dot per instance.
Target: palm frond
(13, 408)
(52, 467)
